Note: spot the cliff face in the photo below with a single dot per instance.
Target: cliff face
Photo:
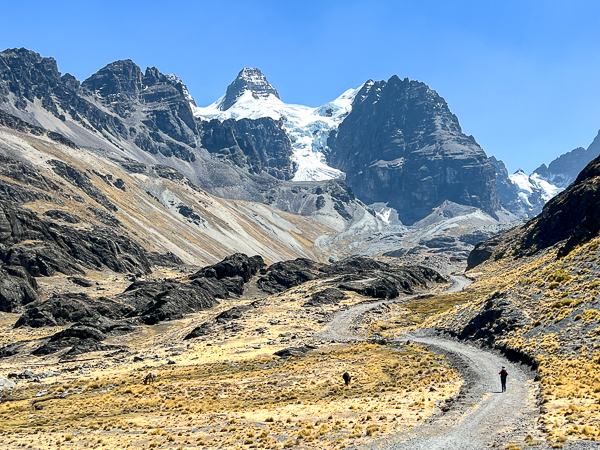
(258, 146)
(402, 145)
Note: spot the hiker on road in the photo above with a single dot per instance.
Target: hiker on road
(503, 374)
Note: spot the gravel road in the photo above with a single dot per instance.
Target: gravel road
(343, 326)
(481, 415)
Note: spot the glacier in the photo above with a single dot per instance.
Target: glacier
(534, 184)
(308, 128)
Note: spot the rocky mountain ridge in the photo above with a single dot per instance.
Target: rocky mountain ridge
(417, 156)
(66, 210)
(568, 220)
(525, 195)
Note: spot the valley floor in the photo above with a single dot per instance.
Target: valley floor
(228, 390)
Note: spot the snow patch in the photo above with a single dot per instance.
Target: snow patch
(533, 184)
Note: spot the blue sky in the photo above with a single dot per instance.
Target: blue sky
(522, 76)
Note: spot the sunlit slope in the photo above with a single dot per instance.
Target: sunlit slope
(157, 206)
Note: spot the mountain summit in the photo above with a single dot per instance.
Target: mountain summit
(248, 80)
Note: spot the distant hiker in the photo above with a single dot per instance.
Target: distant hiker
(503, 374)
(148, 379)
(346, 378)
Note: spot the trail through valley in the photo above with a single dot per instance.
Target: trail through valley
(481, 415)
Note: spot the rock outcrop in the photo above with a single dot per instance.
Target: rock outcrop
(363, 275)
(156, 301)
(63, 309)
(84, 337)
(32, 246)
(328, 296)
(236, 265)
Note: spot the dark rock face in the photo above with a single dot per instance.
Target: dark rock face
(158, 301)
(167, 126)
(402, 145)
(329, 296)
(359, 274)
(248, 80)
(116, 80)
(260, 145)
(17, 288)
(65, 308)
(286, 274)
(30, 247)
(234, 265)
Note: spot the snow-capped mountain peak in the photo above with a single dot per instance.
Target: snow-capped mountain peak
(249, 81)
(533, 190)
(308, 128)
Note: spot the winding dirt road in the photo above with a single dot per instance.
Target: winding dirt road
(481, 416)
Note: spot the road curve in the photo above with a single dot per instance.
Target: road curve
(481, 415)
(343, 326)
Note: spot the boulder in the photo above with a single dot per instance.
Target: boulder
(5, 383)
(81, 281)
(329, 296)
(294, 351)
(201, 330)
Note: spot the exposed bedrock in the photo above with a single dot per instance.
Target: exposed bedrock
(363, 275)
(401, 145)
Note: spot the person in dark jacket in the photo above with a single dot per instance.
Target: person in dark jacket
(503, 374)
